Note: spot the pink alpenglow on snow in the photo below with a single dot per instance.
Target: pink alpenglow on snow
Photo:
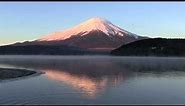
(94, 34)
(84, 28)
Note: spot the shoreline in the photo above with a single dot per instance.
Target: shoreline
(11, 74)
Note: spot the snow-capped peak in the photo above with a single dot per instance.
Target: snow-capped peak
(84, 28)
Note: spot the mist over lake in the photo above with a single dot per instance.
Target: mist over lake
(95, 80)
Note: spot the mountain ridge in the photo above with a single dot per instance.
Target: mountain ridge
(91, 34)
(94, 36)
(84, 28)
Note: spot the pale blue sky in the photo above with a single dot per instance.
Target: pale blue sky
(20, 21)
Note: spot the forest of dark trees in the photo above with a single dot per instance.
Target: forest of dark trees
(152, 47)
(42, 50)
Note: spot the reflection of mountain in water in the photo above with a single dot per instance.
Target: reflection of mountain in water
(93, 75)
(90, 86)
(90, 77)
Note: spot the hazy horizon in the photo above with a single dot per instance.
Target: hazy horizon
(22, 21)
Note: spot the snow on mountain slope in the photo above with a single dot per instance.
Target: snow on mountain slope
(88, 26)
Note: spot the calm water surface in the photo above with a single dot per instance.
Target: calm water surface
(95, 80)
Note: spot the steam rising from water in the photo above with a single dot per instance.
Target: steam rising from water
(110, 63)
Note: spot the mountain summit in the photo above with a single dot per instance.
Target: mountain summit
(93, 24)
(95, 33)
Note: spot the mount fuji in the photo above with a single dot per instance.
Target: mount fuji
(95, 34)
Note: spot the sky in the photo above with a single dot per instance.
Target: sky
(21, 21)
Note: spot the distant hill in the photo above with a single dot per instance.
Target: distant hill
(44, 50)
(152, 47)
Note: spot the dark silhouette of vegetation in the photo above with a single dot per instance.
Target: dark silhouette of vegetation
(152, 47)
(43, 50)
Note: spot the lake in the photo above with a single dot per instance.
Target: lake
(95, 80)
